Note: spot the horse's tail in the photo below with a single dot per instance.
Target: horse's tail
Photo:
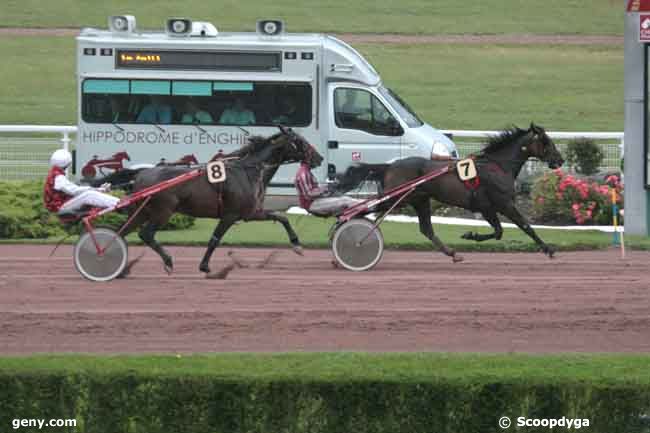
(120, 179)
(358, 173)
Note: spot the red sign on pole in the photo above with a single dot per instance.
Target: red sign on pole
(638, 6)
(644, 27)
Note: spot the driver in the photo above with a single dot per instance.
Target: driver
(61, 195)
(314, 199)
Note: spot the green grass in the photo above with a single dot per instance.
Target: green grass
(452, 87)
(313, 234)
(487, 87)
(333, 367)
(38, 81)
(365, 16)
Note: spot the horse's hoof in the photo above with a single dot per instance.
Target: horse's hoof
(168, 264)
(457, 258)
(127, 269)
(468, 235)
(298, 250)
(335, 264)
(204, 268)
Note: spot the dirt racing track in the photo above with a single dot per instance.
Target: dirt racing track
(412, 301)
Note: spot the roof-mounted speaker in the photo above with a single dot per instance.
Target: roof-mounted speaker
(121, 23)
(270, 27)
(179, 27)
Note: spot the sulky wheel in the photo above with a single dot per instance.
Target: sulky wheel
(357, 245)
(100, 266)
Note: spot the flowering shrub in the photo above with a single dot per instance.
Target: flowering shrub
(584, 155)
(562, 198)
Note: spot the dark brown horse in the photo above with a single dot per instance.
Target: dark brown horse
(240, 197)
(498, 165)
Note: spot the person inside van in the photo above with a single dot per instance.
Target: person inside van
(119, 109)
(238, 114)
(157, 111)
(194, 115)
(353, 109)
(287, 115)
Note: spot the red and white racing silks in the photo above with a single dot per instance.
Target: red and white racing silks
(53, 198)
(306, 185)
(61, 194)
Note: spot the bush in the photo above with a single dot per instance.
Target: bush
(565, 199)
(584, 155)
(324, 393)
(23, 216)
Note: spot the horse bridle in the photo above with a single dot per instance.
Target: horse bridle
(543, 140)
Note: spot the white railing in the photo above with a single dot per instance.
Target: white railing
(25, 149)
(611, 143)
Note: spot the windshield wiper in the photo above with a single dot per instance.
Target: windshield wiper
(159, 127)
(119, 128)
(196, 125)
(245, 131)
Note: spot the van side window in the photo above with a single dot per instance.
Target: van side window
(359, 109)
(179, 102)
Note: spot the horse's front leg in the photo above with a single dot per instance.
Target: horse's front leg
(267, 215)
(492, 218)
(513, 213)
(224, 224)
(423, 210)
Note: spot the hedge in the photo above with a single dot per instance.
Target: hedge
(23, 216)
(314, 393)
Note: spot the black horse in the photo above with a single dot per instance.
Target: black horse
(498, 165)
(240, 197)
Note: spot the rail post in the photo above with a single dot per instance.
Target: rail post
(66, 140)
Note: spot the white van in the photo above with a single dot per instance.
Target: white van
(193, 90)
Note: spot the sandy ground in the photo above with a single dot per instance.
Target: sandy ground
(412, 301)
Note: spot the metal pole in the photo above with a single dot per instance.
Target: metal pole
(636, 197)
(66, 140)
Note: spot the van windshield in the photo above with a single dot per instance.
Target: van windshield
(402, 108)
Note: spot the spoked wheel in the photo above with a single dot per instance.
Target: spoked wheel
(102, 266)
(357, 245)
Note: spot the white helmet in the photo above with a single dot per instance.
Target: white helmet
(61, 158)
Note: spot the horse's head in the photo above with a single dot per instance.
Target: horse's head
(542, 147)
(295, 148)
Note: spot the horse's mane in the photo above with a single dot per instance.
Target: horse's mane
(255, 144)
(505, 138)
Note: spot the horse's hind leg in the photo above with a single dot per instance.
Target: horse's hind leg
(491, 217)
(423, 210)
(266, 215)
(136, 222)
(148, 235)
(158, 217)
(513, 213)
(224, 224)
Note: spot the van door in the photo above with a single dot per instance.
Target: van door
(362, 128)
